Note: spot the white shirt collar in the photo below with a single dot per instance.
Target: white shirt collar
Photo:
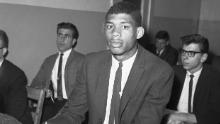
(1, 61)
(196, 73)
(66, 53)
(125, 62)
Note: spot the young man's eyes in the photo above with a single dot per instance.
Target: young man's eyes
(108, 26)
(123, 27)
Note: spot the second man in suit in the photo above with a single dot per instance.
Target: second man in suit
(58, 71)
(163, 48)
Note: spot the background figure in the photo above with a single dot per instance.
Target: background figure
(13, 94)
(58, 71)
(123, 85)
(196, 98)
(163, 48)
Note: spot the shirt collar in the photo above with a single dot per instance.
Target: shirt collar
(196, 73)
(125, 62)
(66, 53)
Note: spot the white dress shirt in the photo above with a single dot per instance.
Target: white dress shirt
(126, 68)
(183, 102)
(55, 71)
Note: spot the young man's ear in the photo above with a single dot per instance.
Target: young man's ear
(5, 51)
(204, 57)
(140, 32)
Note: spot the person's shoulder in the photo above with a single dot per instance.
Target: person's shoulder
(172, 49)
(98, 57)
(211, 71)
(12, 67)
(51, 56)
(98, 54)
(77, 54)
(154, 61)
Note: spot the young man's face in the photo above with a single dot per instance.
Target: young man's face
(161, 44)
(122, 34)
(192, 61)
(65, 39)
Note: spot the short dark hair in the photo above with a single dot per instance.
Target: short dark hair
(70, 26)
(4, 38)
(162, 34)
(197, 39)
(127, 8)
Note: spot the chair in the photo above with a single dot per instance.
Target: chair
(36, 95)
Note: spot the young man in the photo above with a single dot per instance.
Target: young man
(123, 85)
(195, 93)
(13, 94)
(163, 48)
(58, 71)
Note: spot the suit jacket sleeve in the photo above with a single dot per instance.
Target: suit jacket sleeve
(156, 99)
(17, 97)
(209, 113)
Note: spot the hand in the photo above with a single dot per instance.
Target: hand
(49, 93)
(181, 118)
(175, 122)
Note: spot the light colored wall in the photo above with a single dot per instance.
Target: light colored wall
(32, 32)
(209, 24)
(85, 5)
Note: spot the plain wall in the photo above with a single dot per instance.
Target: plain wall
(209, 24)
(32, 33)
(84, 5)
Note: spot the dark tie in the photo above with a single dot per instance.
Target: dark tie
(115, 102)
(190, 94)
(59, 78)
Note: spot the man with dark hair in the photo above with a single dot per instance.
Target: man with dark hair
(13, 94)
(122, 85)
(58, 71)
(195, 93)
(163, 48)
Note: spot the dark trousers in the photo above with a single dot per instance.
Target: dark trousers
(51, 108)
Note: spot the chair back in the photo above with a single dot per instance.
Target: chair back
(36, 95)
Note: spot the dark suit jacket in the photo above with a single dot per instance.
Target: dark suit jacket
(170, 55)
(13, 94)
(73, 65)
(206, 104)
(144, 97)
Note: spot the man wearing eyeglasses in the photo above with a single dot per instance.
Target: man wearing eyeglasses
(196, 90)
(58, 71)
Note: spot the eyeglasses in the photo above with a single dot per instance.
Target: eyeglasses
(189, 53)
(65, 36)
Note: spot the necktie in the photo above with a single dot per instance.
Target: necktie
(59, 79)
(115, 101)
(190, 94)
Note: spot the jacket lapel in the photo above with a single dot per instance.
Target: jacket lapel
(132, 81)
(201, 84)
(50, 66)
(69, 61)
